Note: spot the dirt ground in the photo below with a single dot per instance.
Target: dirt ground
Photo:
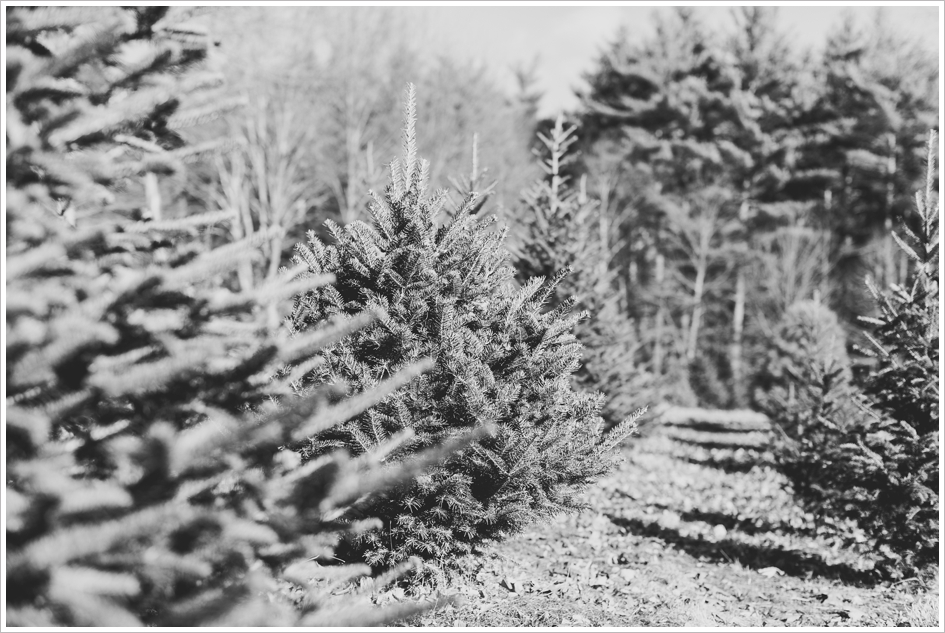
(684, 534)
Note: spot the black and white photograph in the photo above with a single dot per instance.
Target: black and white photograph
(471, 315)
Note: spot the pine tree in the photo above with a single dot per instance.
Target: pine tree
(697, 114)
(865, 127)
(559, 233)
(502, 369)
(809, 339)
(905, 388)
(873, 455)
(873, 96)
(146, 404)
(905, 338)
(685, 120)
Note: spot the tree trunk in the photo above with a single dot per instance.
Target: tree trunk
(604, 230)
(659, 317)
(738, 325)
(353, 184)
(889, 250)
(825, 260)
(698, 291)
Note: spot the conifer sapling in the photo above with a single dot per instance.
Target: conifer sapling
(559, 232)
(502, 364)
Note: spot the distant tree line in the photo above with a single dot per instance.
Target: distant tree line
(737, 175)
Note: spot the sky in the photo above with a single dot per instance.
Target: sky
(567, 39)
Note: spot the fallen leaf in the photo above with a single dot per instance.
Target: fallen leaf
(669, 520)
(515, 586)
(853, 613)
(628, 574)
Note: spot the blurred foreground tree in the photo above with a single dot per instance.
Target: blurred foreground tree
(147, 406)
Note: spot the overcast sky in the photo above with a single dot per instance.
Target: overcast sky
(566, 39)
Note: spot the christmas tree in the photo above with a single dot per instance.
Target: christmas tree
(560, 232)
(872, 455)
(501, 374)
(147, 405)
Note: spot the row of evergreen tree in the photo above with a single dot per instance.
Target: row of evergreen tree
(148, 406)
(867, 450)
(176, 455)
(725, 174)
(738, 175)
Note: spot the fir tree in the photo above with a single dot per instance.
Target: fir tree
(146, 405)
(559, 233)
(809, 345)
(905, 390)
(906, 334)
(502, 367)
(872, 97)
(873, 455)
(696, 115)
(677, 102)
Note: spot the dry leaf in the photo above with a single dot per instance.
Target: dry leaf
(669, 520)
(771, 572)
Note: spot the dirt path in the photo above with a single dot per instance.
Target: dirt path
(682, 535)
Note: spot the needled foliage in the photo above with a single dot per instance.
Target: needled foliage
(146, 405)
(561, 231)
(809, 337)
(904, 393)
(873, 455)
(502, 368)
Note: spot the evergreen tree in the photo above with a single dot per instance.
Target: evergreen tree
(810, 336)
(867, 125)
(906, 334)
(502, 369)
(862, 126)
(147, 405)
(559, 234)
(873, 456)
(688, 122)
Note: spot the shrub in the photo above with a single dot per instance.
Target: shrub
(145, 481)
(502, 365)
(873, 456)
